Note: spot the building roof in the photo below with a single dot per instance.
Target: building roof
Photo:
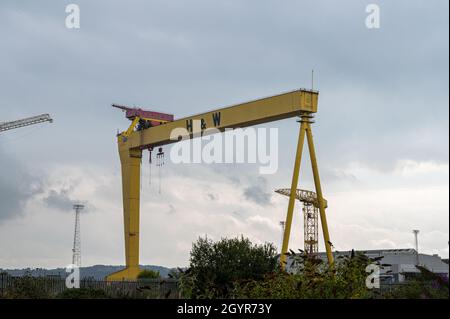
(402, 260)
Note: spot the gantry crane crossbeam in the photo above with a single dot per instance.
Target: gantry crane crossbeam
(255, 112)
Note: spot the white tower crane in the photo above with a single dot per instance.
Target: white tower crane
(5, 126)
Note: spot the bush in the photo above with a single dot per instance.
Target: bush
(148, 274)
(83, 293)
(314, 279)
(28, 287)
(427, 285)
(215, 267)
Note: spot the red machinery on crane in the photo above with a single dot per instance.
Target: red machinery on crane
(141, 120)
(144, 119)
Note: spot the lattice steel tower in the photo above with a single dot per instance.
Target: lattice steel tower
(76, 250)
(310, 211)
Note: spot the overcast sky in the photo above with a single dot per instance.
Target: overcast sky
(381, 131)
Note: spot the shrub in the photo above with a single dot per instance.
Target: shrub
(83, 293)
(216, 266)
(148, 274)
(314, 279)
(427, 285)
(28, 287)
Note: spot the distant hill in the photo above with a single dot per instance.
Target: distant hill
(97, 272)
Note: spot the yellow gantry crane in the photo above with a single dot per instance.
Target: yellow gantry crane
(158, 131)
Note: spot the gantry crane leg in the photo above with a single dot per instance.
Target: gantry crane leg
(295, 175)
(131, 173)
(305, 129)
(323, 217)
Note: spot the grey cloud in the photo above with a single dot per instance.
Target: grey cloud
(231, 171)
(59, 200)
(258, 192)
(172, 209)
(338, 175)
(158, 47)
(384, 93)
(16, 187)
(63, 201)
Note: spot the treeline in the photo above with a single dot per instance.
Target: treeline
(237, 268)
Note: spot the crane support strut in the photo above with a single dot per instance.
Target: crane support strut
(305, 129)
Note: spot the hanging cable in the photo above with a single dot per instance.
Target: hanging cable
(150, 149)
(159, 180)
(160, 164)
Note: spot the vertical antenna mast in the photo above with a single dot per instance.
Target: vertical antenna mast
(76, 250)
(416, 235)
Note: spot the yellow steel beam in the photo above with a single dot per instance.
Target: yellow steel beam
(241, 115)
(154, 120)
(130, 129)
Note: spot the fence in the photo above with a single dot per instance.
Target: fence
(53, 287)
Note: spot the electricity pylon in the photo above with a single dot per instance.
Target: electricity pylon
(76, 250)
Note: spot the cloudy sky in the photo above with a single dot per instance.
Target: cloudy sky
(381, 131)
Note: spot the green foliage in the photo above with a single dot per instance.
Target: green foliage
(427, 285)
(175, 273)
(148, 274)
(83, 293)
(216, 266)
(313, 279)
(28, 287)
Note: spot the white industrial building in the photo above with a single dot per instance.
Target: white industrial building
(402, 263)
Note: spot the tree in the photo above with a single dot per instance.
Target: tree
(148, 274)
(313, 279)
(426, 285)
(28, 287)
(215, 267)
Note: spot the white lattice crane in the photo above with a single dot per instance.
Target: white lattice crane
(311, 217)
(5, 126)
